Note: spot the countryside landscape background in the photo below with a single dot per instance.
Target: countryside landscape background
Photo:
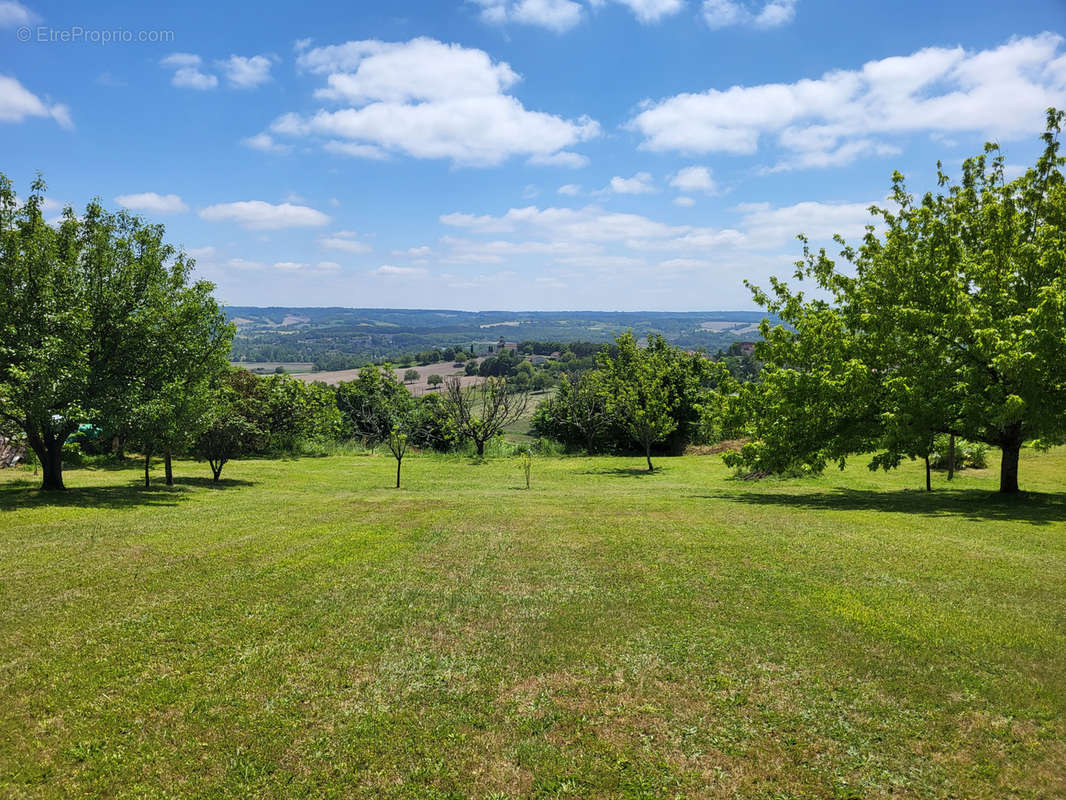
(288, 511)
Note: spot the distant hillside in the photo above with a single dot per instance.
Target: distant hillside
(343, 338)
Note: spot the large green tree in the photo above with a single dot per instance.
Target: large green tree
(85, 301)
(186, 346)
(949, 318)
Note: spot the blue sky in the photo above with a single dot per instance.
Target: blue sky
(512, 154)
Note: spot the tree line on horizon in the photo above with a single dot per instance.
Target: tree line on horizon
(948, 320)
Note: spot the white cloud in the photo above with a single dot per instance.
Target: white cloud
(776, 226)
(414, 252)
(245, 72)
(694, 179)
(1002, 92)
(201, 252)
(355, 150)
(18, 102)
(638, 184)
(187, 74)
(555, 15)
(389, 271)
(344, 241)
(181, 60)
(260, 215)
(570, 190)
(564, 158)
(648, 11)
(265, 143)
(684, 202)
(724, 13)
(152, 202)
(429, 99)
(13, 13)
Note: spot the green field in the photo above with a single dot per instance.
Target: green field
(305, 631)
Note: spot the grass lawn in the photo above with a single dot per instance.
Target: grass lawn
(306, 631)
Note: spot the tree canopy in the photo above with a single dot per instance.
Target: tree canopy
(98, 318)
(949, 318)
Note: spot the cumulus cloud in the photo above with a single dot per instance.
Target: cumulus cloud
(152, 202)
(265, 143)
(684, 202)
(771, 225)
(569, 189)
(13, 13)
(831, 120)
(245, 72)
(694, 179)
(17, 103)
(648, 11)
(260, 215)
(428, 99)
(187, 73)
(771, 14)
(555, 15)
(344, 241)
(638, 184)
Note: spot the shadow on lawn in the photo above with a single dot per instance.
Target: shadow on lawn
(624, 472)
(18, 494)
(1037, 508)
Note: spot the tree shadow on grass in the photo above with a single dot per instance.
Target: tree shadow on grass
(208, 483)
(20, 494)
(625, 472)
(1037, 508)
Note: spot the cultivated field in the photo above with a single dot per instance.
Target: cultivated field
(443, 368)
(305, 631)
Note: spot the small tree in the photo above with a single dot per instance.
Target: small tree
(480, 413)
(526, 463)
(639, 395)
(226, 433)
(434, 381)
(410, 376)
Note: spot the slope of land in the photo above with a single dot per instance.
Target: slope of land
(305, 631)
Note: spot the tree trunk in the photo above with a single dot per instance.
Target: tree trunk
(1011, 444)
(647, 454)
(928, 476)
(147, 466)
(480, 448)
(49, 452)
(169, 468)
(398, 462)
(951, 456)
(216, 470)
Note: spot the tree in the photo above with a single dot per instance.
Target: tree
(368, 402)
(410, 376)
(952, 321)
(481, 412)
(638, 394)
(225, 433)
(434, 380)
(186, 343)
(80, 303)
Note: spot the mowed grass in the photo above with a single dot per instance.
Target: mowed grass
(306, 631)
